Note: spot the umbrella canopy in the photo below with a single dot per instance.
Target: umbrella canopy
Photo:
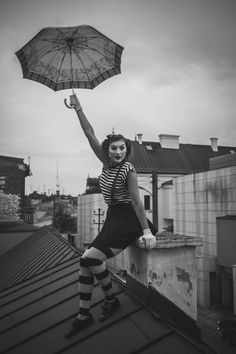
(70, 57)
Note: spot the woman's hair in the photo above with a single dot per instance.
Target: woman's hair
(115, 137)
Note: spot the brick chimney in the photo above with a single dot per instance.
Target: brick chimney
(169, 141)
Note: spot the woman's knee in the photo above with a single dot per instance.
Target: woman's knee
(94, 253)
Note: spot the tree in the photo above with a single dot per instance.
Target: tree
(63, 221)
(9, 207)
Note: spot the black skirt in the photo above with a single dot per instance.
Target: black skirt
(120, 229)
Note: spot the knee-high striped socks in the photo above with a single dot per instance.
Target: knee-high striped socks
(90, 267)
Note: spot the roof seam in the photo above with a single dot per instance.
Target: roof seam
(46, 329)
(100, 329)
(32, 291)
(38, 299)
(150, 343)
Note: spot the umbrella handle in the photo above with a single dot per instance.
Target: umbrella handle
(67, 105)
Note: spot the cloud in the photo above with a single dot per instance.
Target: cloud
(178, 76)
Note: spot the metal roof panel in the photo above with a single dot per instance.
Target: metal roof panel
(37, 313)
(188, 158)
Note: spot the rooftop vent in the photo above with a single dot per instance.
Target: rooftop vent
(169, 141)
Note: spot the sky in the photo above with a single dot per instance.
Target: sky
(178, 76)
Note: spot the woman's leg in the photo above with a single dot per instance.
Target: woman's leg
(92, 264)
(86, 282)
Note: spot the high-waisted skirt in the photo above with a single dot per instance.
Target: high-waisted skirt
(120, 229)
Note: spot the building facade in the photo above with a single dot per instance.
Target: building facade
(205, 206)
(13, 172)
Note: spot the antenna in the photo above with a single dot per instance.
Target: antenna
(58, 184)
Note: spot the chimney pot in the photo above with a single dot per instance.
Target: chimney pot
(140, 135)
(214, 145)
(169, 141)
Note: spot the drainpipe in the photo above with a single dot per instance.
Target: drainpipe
(155, 200)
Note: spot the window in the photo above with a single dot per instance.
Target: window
(2, 182)
(147, 204)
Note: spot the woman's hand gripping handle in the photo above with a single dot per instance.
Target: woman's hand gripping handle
(74, 103)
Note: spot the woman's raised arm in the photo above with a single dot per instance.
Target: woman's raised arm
(88, 129)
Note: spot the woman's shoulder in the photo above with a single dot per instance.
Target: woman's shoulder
(127, 167)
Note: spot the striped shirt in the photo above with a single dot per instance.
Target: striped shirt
(121, 194)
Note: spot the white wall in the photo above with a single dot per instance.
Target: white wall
(87, 230)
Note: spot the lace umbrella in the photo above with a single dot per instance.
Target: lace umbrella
(70, 57)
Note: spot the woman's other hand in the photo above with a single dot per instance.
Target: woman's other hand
(147, 240)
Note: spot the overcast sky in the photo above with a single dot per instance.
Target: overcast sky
(178, 77)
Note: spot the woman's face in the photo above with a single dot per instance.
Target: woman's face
(117, 151)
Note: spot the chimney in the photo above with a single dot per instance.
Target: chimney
(169, 141)
(140, 135)
(214, 145)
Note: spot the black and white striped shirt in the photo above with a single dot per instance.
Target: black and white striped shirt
(121, 194)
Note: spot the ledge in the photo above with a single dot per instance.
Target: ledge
(171, 240)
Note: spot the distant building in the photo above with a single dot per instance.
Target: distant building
(13, 229)
(91, 213)
(92, 186)
(13, 172)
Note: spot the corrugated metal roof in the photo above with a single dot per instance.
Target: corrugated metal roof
(188, 158)
(42, 250)
(36, 313)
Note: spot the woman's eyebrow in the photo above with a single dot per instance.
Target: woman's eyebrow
(122, 144)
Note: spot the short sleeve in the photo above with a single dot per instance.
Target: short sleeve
(126, 168)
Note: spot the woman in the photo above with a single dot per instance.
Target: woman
(125, 220)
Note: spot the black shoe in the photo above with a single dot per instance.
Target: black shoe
(77, 325)
(108, 308)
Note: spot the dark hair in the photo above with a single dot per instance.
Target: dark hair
(115, 137)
